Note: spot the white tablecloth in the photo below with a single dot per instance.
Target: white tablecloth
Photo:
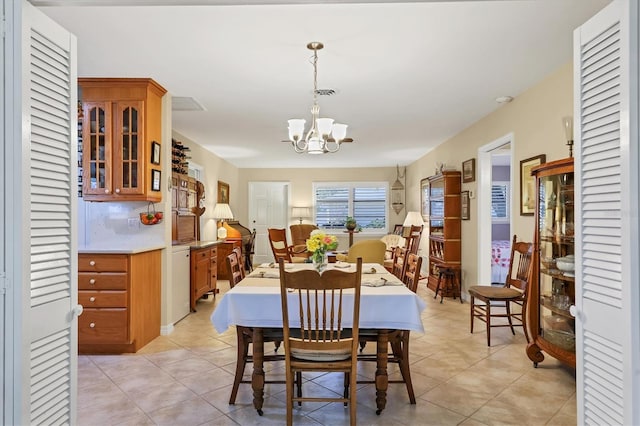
(255, 301)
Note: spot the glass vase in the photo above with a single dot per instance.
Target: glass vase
(320, 260)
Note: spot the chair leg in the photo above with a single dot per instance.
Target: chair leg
(508, 308)
(241, 362)
(289, 386)
(404, 366)
(487, 316)
(353, 406)
(473, 310)
(345, 392)
(362, 345)
(277, 345)
(299, 386)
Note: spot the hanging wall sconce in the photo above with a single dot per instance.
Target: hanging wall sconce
(397, 191)
(567, 123)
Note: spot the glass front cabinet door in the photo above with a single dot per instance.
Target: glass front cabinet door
(552, 288)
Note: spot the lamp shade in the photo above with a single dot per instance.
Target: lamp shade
(222, 211)
(301, 212)
(413, 219)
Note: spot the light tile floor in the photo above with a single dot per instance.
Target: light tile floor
(185, 379)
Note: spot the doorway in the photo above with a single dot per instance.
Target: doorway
(495, 207)
(268, 208)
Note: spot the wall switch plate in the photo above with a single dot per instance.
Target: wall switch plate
(133, 223)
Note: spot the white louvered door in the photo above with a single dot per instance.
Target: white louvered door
(607, 244)
(49, 150)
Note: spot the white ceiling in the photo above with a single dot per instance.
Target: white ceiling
(407, 75)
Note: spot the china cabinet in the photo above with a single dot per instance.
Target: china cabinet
(444, 226)
(552, 288)
(122, 117)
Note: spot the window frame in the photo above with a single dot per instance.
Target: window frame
(351, 185)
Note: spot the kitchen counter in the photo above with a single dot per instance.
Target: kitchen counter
(202, 244)
(120, 248)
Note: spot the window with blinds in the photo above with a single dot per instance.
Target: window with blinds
(364, 201)
(500, 201)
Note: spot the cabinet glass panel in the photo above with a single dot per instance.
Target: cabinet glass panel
(97, 148)
(129, 147)
(557, 282)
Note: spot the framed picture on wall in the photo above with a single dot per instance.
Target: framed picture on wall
(424, 198)
(469, 170)
(527, 189)
(155, 152)
(464, 203)
(155, 180)
(223, 192)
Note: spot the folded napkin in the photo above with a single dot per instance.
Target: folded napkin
(377, 282)
(264, 274)
(373, 282)
(371, 270)
(268, 265)
(340, 264)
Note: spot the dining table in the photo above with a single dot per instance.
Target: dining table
(386, 305)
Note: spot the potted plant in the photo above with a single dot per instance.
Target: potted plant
(350, 223)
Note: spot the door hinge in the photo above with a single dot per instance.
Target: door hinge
(3, 26)
(3, 284)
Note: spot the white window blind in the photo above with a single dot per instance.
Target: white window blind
(364, 201)
(500, 201)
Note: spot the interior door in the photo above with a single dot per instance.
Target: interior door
(40, 164)
(268, 208)
(606, 113)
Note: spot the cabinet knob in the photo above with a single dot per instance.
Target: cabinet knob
(117, 190)
(77, 311)
(92, 299)
(92, 281)
(573, 310)
(106, 191)
(92, 262)
(92, 325)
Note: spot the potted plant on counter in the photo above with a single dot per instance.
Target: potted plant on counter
(350, 223)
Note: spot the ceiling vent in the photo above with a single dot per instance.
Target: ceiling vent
(325, 92)
(185, 103)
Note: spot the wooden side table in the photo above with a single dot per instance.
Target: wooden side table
(351, 232)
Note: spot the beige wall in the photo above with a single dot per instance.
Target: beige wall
(215, 169)
(534, 119)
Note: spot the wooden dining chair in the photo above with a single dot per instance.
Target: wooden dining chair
(514, 291)
(244, 335)
(326, 308)
(240, 267)
(398, 339)
(399, 262)
(281, 248)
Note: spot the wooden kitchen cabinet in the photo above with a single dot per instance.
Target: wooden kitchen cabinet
(120, 294)
(204, 271)
(122, 117)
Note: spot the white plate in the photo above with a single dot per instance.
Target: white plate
(342, 265)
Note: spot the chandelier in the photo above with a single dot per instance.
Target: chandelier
(324, 135)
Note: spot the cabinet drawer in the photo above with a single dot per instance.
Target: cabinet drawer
(199, 255)
(214, 253)
(103, 326)
(102, 299)
(102, 262)
(106, 281)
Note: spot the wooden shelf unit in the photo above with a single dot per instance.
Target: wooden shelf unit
(444, 224)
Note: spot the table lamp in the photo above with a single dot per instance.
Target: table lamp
(413, 219)
(301, 212)
(222, 211)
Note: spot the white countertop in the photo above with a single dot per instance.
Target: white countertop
(120, 248)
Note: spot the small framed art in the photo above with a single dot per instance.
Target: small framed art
(464, 203)
(155, 180)
(527, 183)
(155, 152)
(469, 170)
(223, 192)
